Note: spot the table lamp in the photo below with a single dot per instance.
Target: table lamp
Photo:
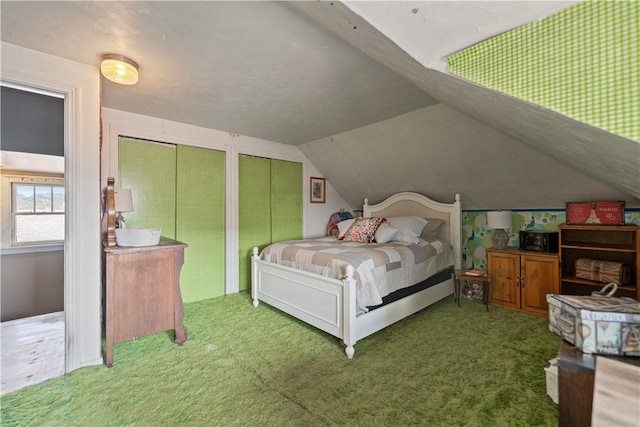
(124, 203)
(499, 221)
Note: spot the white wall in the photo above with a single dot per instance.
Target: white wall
(80, 84)
(32, 284)
(119, 123)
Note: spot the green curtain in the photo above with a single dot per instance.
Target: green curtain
(270, 204)
(200, 202)
(149, 170)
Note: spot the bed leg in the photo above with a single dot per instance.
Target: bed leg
(349, 313)
(350, 351)
(255, 303)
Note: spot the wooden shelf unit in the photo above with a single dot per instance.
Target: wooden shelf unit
(618, 243)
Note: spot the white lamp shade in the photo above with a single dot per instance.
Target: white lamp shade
(124, 202)
(499, 220)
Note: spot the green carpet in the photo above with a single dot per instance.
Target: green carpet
(259, 367)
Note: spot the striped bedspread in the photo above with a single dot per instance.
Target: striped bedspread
(379, 268)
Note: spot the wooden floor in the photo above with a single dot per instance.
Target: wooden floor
(32, 351)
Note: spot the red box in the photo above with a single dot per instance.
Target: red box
(606, 213)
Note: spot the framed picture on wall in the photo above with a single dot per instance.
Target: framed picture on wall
(318, 190)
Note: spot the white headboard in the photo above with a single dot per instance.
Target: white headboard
(407, 203)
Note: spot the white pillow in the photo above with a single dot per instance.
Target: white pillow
(385, 233)
(409, 225)
(401, 236)
(432, 230)
(343, 226)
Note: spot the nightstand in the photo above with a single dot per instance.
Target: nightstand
(460, 275)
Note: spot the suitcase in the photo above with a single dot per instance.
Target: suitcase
(603, 271)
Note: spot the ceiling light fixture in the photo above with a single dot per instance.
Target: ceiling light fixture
(119, 69)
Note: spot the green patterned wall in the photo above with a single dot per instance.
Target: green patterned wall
(476, 237)
(582, 62)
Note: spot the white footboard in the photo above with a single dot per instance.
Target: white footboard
(325, 303)
(330, 304)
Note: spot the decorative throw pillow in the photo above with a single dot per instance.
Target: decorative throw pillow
(334, 219)
(343, 227)
(409, 225)
(385, 233)
(363, 230)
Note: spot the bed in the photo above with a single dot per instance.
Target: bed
(330, 303)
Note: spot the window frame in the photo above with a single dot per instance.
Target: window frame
(34, 181)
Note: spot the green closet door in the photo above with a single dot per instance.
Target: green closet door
(286, 200)
(200, 203)
(254, 205)
(149, 170)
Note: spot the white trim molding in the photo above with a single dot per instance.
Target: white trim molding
(80, 86)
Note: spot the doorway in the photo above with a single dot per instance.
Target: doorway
(33, 236)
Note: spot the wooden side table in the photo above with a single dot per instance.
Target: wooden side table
(460, 275)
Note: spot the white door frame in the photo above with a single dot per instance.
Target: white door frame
(80, 85)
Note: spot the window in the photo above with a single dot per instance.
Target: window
(37, 213)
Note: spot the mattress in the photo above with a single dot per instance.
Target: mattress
(380, 269)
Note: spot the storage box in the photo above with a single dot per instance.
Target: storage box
(607, 213)
(596, 324)
(603, 271)
(551, 372)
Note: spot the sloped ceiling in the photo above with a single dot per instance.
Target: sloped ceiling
(315, 73)
(557, 141)
(439, 151)
(259, 69)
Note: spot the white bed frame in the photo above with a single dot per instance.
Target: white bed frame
(330, 304)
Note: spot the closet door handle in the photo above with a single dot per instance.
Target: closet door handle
(522, 282)
(518, 282)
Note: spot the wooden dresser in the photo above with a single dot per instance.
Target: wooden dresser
(142, 292)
